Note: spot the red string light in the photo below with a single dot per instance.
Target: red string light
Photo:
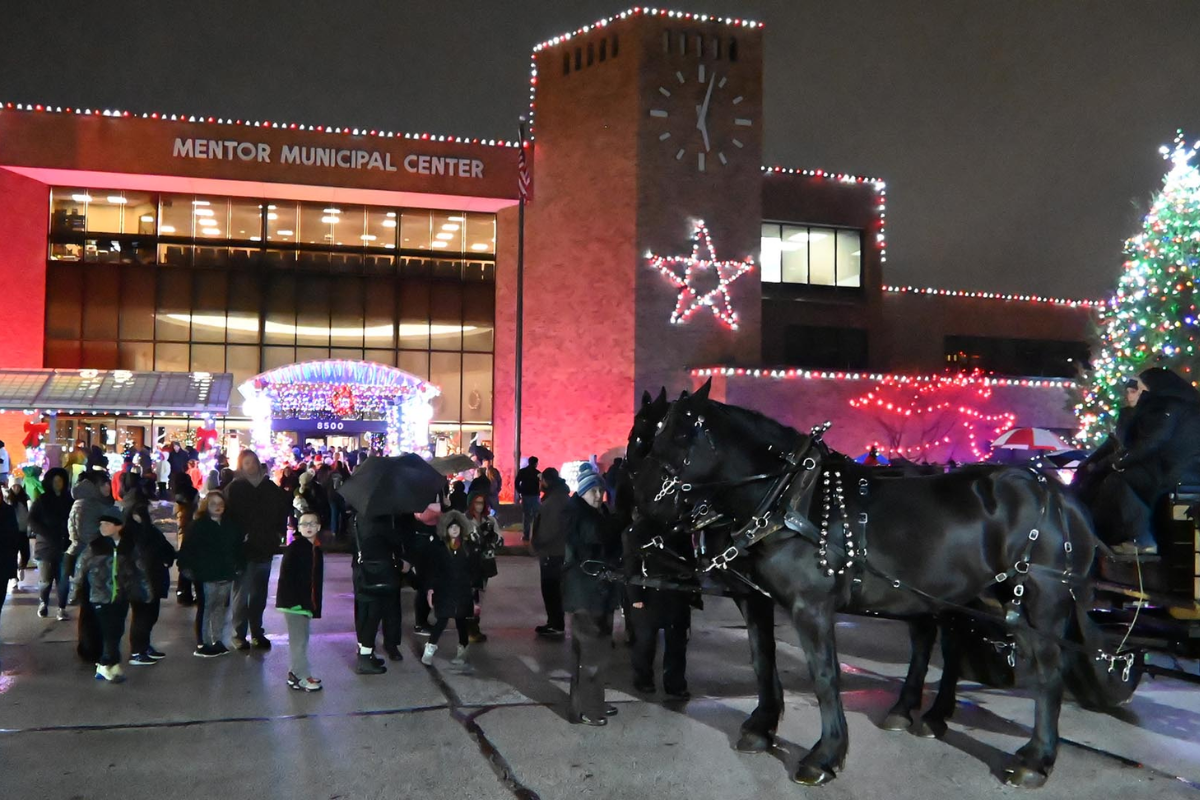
(690, 299)
(1019, 298)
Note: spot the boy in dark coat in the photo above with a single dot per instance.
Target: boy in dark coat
(455, 569)
(298, 596)
(154, 555)
(549, 544)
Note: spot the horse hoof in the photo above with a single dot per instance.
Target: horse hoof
(1024, 777)
(809, 775)
(929, 728)
(753, 742)
(896, 722)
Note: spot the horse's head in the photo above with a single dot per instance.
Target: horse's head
(645, 425)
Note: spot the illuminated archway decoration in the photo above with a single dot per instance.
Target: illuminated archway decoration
(338, 390)
(681, 272)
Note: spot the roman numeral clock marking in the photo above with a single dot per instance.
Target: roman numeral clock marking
(703, 98)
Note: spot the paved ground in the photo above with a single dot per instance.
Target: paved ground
(229, 727)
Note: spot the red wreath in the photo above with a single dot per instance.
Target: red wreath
(34, 431)
(341, 401)
(206, 438)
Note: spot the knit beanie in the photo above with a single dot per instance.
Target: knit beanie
(305, 479)
(588, 479)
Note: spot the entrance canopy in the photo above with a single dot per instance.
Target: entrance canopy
(339, 395)
(91, 391)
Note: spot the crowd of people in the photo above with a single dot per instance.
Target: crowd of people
(98, 546)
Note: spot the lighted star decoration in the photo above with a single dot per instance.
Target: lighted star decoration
(681, 271)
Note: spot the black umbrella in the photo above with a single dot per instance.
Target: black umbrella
(387, 485)
(448, 465)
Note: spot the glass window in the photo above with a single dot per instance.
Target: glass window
(137, 356)
(849, 259)
(136, 320)
(273, 357)
(62, 251)
(414, 362)
(793, 248)
(771, 257)
(350, 230)
(280, 325)
(382, 227)
(414, 315)
(176, 217)
(312, 311)
(104, 211)
(245, 220)
(477, 387)
(208, 307)
(175, 255)
(63, 354)
(101, 290)
(141, 213)
(479, 314)
(346, 322)
(312, 353)
(282, 221)
(445, 317)
(445, 372)
(379, 326)
(100, 355)
(242, 361)
(448, 231)
(243, 310)
(208, 358)
(821, 261)
(318, 222)
(64, 301)
(385, 357)
(481, 233)
(68, 212)
(171, 357)
(212, 217)
(415, 231)
(822, 347)
(172, 321)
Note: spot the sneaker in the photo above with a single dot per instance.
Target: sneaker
(62, 616)
(185, 599)
(208, 651)
(394, 654)
(116, 670)
(292, 681)
(460, 656)
(221, 648)
(477, 637)
(43, 610)
(157, 655)
(427, 656)
(308, 685)
(240, 643)
(678, 694)
(548, 631)
(422, 630)
(111, 674)
(584, 719)
(260, 643)
(142, 660)
(367, 665)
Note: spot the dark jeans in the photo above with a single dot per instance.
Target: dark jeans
(23, 552)
(141, 625)
(675, 627)
(529, 510)
(250, 599)
(111, 617)
(371, 612)
(198, 624)
(591, 644)
(52, 571)
(184, 588)
(3, 593)
(551, 571)
(392, 625)
(460, 624)
(421, 609)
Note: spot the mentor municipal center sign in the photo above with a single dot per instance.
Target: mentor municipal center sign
(335, 157)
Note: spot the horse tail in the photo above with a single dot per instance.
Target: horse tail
(1096, 681)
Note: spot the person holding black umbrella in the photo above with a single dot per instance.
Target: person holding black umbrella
(377, 567)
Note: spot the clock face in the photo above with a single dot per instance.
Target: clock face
(698, 117)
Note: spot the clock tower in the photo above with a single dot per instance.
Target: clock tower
(645, 125)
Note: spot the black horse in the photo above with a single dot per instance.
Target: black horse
(907, 548)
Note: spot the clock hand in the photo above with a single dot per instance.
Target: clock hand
(704, 133)
(700, 118)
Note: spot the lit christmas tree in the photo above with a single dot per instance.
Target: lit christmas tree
(1152, 320)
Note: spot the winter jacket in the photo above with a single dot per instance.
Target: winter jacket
(212, 551)
(301, 578)
(419, 540)
(178, 459)
(111, 573)
(487, 534)
(592, 536)
(260, 509)
(549, 538)
(454, 574)
(48, 518)
(83, 524)
(529, 482)
(11, 542)
(376, 539)
(153, 554)
(1161, 445)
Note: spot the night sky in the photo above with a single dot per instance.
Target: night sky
(1019, 138)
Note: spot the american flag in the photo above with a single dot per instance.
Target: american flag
(523, 181)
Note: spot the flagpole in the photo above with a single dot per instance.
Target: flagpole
(520, 327)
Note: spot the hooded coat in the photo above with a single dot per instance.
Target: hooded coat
(212, 551)
(549, 538)
(260, 509)
(454, 573)
(152, 552)
(83, 524)
(1162, 443)
(111, 573)
(48, 517)
(592, 536)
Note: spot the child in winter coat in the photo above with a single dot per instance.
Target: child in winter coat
(212, 555)
(109, 568)
(455, 569)
(298, 596)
